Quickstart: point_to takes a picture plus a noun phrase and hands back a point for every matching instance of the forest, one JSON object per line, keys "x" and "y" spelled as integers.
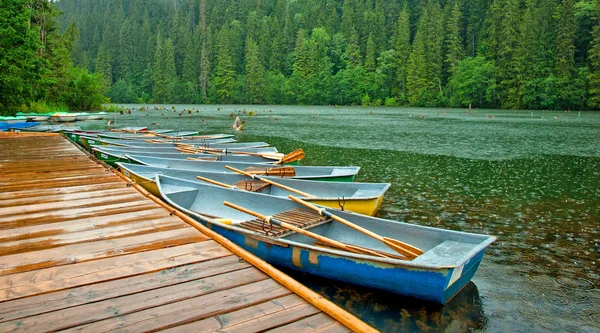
{"x": 514, "y": 54}
{"x": 37, "y": 72}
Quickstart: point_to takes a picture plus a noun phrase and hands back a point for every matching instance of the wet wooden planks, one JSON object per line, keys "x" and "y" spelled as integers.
{"x": 81, "y": 251}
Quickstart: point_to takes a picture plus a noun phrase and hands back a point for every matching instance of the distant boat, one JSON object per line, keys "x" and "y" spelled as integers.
{"x": 11, "y": 120}
{"x": 82, "y": 116}
{"x": 63, "y": 117}
{"x": 109, "y": 156}
{"x": 445, "y": 263}
{"x": 97, "y": 115}
{"x": 324, "y": 173}
{"x": 89, "y": 141}
{"x": 362, "y": 198}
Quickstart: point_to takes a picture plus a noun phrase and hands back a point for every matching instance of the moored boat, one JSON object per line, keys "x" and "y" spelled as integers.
{"x": 109, "y": 156}
{"x": 324, "y": 173}
{"x": 13, "y": 120}
{"x": 446, "y": 262}
{"x": 82, "y": 116}
{"x": 216, "y": 144}
{"x": 160, "y": 149}
{"x": 97, "y": 115}
{"x": 362, "y": 198}
{"x": 63, "y": 117}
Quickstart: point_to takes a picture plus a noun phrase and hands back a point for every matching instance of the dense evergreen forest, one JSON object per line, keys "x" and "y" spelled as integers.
{"x": 36, "y": 67}
{"x": 539, "y": 54}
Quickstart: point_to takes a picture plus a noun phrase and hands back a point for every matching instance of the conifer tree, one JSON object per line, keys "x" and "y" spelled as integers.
{"x": 594, "y": 56}
{"x": 255, "y": 73}
{"x": 401, "y": 43}
{"x": 454, "y": 47}
{"x": 224, "y": 67}
{"x": 370, "y": 64}
{"x": 565, "y": 41}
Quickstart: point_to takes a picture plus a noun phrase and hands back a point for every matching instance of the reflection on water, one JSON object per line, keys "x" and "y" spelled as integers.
{"x": 395, "y": 313}
{"x": 533, "y": 183}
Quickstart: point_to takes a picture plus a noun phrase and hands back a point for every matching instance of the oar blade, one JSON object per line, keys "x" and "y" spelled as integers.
{"x": 410, "y": 251}
{"x": 294, "y": 156}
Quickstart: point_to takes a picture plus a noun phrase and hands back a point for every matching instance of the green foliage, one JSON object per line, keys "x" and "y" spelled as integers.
{"x": 36, "y": 70}
{"x": 473, "y": 83}
{"x": 541, "y": 54}
{"x": 366, "y": 100}
{"x": 390, "y": 101}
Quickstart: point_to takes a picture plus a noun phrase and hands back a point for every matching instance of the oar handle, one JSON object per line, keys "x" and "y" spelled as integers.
{"x": 245, "y": 210}
{"x": 268, "y": 181}
{"x": 208, "y": 180}
{"x": 241, "y": 172}
{"x": 321, "y": 211}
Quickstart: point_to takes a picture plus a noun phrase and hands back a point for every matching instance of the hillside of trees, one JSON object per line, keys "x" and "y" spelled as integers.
{"x": 36, "y": 68}
{"x": 538, "y": 54}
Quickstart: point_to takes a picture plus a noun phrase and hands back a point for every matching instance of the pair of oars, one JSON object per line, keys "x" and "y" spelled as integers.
{"x": 407, "y": 250}
{"x": 294, "y": 156}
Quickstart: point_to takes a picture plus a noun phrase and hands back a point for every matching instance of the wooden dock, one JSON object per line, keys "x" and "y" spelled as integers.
{"x": 82, "y": 251}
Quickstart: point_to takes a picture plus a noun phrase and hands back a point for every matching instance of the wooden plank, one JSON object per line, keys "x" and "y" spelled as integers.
{"x": 66, "y": 197}
{"x": 50, "y": 279}
{"x": 20, "y": 177}
{"x": 71, "y": 254}
{"x": 334, "y": 327}
{"x": 58, "y": 205}
{"x": 190, "y": 310}
{"x": 308, "y": 324}
{"x": 92, "y": 179}
{"x": 36, "y": 305}
{"x": 45, "y": 230}
{"x": 49, "y": 172}
{"x": 75, "y": 213}
{"x": 138, "y": 302}
{"x": 259, "y": 317}
{"x": 53, "y": 177}
{"x": 110, "y": 232}
{"x": 35, "y": 192}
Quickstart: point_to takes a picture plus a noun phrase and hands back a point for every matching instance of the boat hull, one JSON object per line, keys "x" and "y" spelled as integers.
{"x": 63, "y": 119}
{"x": 420, "y": 283}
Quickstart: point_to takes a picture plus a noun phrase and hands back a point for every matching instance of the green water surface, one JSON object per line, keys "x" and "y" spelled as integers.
{"x": 530, "y": 178}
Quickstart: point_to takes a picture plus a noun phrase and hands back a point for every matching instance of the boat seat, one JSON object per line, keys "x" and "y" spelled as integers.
{"x": 252, "y": 185}
{"x": 298, "y": 217}
{"x": 366, "y": 193}
{"x": 447, "y": 253}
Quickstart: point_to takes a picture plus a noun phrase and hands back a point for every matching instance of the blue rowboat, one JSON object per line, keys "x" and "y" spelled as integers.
{"x": 363, "y": 198}
{"x": 449, "y": 261}
{"x": 324, "y": 173}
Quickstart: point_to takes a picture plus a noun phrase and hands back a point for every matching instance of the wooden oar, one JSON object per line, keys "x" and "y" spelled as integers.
{"x": 322, "y": 239}
{"x": 276, "y": 171}
{"x": 294, "y": 156}
{"x": 268, "y": 181}
{"x": 208, "y": 180}
{"x": 202, "y": 159}
{"x": 406, "y": 249}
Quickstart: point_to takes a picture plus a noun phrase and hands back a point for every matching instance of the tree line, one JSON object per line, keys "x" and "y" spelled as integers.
{"x": 36, "y": 68}
{"x": 538, "y": 54}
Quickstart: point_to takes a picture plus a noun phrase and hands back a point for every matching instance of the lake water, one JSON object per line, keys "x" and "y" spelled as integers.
{"x": 530, "y": 178}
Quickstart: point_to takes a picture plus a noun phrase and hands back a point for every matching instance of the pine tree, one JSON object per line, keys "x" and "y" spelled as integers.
{"x": 204, "y": 72}
{"x": 370, "y": 64}
{"x": 565, "y": 42}
{"x": 255, "y": 73}
{"x": 416, "y": 80}
{"x": 353, "y": 55}
{"x": 224, "y": 68}
{"x": 401, "y": 43}
{"x": 594, "y": 56}
{"x": 454, "y": 47}
{"x": 302, "y": 64}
